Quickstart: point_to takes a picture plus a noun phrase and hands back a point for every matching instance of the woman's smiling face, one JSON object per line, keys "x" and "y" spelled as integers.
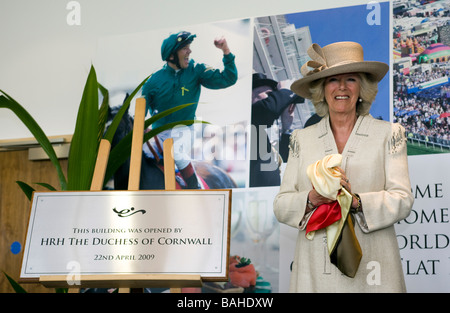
{"x": 342, "y": 92}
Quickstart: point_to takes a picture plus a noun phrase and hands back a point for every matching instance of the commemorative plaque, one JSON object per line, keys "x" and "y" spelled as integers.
{"x": 128, "y": 232}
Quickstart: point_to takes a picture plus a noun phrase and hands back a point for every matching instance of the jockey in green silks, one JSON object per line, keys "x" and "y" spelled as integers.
{"x": 179, "y": 82}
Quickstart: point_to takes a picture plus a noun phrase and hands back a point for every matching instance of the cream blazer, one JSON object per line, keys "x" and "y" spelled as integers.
{"x": 375, "y": 161}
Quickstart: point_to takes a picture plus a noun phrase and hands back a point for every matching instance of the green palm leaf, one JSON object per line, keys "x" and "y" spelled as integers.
{"x": 48, "y": 186}
{"x": 103, "y": 112}
{"x": 17, "y": 288}
{"x": 84, "y": 146}
{"x": 27, "y": 189}
{"x": 7, "y": 102}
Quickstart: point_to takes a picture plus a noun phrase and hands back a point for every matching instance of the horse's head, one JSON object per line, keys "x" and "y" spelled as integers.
{"x": 125, "y": 125}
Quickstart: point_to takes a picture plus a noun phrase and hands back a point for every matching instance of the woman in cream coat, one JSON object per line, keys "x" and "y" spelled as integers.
{"x": 374, "y": 170}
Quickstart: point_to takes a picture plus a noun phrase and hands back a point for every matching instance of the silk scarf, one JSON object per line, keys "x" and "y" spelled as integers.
{"x": 343, "y": 246}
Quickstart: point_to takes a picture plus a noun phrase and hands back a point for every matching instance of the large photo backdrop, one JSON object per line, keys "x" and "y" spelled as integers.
{"x": 245, "y": 141}
{"x": 249, "y": 141}
{"x": 275, "y": 46}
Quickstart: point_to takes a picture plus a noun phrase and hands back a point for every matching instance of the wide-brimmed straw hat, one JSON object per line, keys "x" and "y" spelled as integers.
{"x": 333, "y": 59}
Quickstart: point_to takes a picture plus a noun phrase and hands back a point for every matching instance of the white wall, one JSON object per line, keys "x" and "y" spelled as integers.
{"x": 44, "y": 62}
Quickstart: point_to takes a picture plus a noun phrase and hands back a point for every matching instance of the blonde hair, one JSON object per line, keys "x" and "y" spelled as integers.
{"x": 368, "y": 92}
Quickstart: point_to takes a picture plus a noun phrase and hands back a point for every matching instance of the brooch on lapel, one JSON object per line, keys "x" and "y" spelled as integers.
{"x": 397, "y": 140}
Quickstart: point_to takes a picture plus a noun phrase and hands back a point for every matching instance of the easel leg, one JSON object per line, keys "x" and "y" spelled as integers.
{"x": 136, "y": 153}
{"x": 169, "y": 177}
{"x": 136, "y": 145}
{"x": 98, "y": 177}
{"x": 169, "y": 165}
{"x": 100, "y": 165}
{"x": 169, "y": 182}
{"x": 175, "y": 290}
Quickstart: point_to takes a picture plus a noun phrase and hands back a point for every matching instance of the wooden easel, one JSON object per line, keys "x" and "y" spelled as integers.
{"x": 126, "y": 282}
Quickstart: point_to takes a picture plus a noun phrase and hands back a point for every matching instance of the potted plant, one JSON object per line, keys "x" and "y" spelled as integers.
{"x": 89, "y": 131}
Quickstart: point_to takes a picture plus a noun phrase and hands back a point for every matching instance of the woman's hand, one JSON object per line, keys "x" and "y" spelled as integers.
{"x": 316, "y": 199}
{"x": 346, "y": 184}
{"x": 344, "y": 180}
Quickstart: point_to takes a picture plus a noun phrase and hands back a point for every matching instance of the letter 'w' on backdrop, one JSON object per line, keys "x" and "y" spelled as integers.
{"x": 131, "y": 238}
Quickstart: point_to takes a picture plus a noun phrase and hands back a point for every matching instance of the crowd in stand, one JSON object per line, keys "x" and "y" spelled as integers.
{"x": 423, "y": 114}
{"x": 414, "y": 79}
